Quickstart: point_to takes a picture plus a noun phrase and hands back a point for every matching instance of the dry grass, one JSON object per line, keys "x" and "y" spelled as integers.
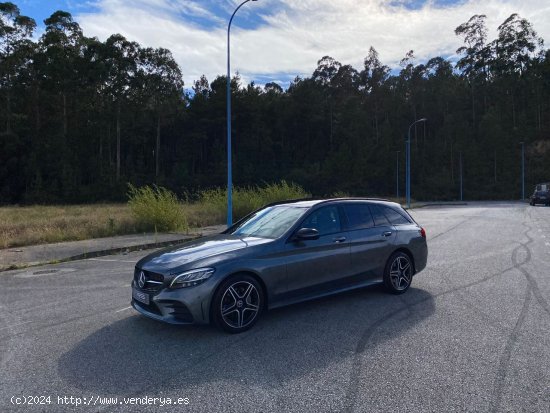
{"x": 203, "y": 215}
{"x": 45, "y": 224}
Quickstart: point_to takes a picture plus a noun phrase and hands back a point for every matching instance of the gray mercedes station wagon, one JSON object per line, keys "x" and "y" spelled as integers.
{"x": 281, "y": 254}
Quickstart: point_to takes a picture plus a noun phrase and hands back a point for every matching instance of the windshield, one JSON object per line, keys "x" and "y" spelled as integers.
{"x": 270, "y": 222}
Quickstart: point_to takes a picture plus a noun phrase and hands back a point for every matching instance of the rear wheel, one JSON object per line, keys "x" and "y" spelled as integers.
{"x": 398, "y": 273}
{"x": 238, "y": 303}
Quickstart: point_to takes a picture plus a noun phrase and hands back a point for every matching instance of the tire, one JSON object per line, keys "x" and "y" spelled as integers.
{"x": 238, "y": 303}
{"x": 398, "y": 273}
{"x": 532, "y": 203}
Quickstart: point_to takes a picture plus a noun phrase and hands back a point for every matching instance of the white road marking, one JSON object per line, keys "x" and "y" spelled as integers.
{"x": 123, "y": 309}
{"x": 16, "y": 325}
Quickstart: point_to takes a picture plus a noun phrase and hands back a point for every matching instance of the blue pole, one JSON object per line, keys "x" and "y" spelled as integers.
{"x": 522, "y": 171}
{"x": 397, "y": 175}
{"x": 229, "y": 166}
{"x": 461, "y": 176}
{"x": 229, "y": 176}
{"x": 408, "y": 166}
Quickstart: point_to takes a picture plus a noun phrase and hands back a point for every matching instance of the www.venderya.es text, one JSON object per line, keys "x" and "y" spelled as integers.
{"x": 94, "y": 400}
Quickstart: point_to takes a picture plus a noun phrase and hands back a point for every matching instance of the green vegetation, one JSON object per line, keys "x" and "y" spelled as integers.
{"x": 213, "y": 203}
{"x": 156, "y": 209}
{"x": 148, "y": 209}
{"x": 80, "y": 117}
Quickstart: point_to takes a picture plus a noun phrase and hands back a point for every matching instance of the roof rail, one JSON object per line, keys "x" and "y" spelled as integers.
{"x": 351, "y": 198}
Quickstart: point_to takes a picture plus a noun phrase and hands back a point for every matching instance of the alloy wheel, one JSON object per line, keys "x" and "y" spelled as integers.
{"x": 240, "y": 304}
{"x": 401, "y": 273}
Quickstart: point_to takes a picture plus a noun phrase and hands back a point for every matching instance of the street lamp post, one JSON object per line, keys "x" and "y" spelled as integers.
{"x": 397, "y": 173}
{"x": 408, "y": 166}
{"x": 229, "y": 172}
{"x": 522, "y": 170}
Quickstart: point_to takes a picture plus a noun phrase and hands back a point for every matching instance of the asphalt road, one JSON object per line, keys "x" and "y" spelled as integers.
{"x": 472, "y": 334}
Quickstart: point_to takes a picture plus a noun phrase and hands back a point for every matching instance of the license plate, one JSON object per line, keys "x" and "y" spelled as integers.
{"x": 139, "y": 296}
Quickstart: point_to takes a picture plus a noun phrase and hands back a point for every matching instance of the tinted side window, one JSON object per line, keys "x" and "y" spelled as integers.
{"x": 395, "y": 217}
{"x": 325, "y": 220}
{"x": 359, "y": 216}
{"x": 378, "y": 216}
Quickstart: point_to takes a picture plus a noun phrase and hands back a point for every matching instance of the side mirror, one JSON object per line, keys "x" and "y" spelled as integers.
{"x": 305, "y": 234}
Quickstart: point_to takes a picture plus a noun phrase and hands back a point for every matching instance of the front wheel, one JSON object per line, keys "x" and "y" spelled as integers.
{"x": 237, "y": 304}
{"x": 398, "y": 273}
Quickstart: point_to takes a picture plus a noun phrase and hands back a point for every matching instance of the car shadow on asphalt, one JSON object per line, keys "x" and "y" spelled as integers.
{"x": 137, "y": 355}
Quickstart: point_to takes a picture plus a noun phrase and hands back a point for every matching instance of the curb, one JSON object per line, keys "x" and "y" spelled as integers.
{"x": 103, "y": 253}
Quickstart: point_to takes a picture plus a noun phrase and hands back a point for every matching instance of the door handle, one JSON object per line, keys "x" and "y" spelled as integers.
{"x": 339, "y": 240}
{"x": 386, "y": 233}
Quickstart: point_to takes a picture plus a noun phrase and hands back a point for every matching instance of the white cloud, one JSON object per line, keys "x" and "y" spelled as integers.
{"x": 295, "y": 34}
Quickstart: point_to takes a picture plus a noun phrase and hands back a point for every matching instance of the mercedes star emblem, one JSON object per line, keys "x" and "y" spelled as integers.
{"x": 142, "y": 280}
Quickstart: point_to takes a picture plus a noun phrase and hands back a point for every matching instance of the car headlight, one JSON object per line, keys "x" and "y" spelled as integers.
{"x": 192, "y": 278}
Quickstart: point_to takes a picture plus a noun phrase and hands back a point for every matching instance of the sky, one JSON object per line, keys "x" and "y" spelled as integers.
{"x": 277, "y": 40}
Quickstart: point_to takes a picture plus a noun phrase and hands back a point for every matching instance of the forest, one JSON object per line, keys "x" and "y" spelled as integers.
{"x": 81, "y": 118}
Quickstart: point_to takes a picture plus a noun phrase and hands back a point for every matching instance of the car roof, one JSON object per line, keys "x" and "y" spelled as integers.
{"x": 310, "y": 202}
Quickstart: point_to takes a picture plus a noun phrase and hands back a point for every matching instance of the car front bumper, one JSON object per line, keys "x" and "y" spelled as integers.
{"x": 180, "y": 306}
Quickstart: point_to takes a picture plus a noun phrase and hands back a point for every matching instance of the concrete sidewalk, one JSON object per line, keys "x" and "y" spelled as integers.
{"x": 20, "y": 257}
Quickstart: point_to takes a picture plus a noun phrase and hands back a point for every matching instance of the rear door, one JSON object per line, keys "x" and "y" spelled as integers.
{"x": 371, "y": 240}
{"x": 314, "y": 266}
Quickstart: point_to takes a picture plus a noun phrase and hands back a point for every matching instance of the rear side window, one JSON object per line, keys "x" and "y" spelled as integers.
{"x": 395, "y": 217}
{"x": 378, "y": 216}
{"x": 359, "y": 216}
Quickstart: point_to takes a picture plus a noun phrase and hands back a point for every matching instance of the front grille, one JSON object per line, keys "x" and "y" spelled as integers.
{"x": 149, "y": 287}
{"x": 154, "y": 277}
{"x": 178, "y": 310}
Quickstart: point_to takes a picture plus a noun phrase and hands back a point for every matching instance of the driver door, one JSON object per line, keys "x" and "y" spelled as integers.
{"x": 313, "y": 266}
